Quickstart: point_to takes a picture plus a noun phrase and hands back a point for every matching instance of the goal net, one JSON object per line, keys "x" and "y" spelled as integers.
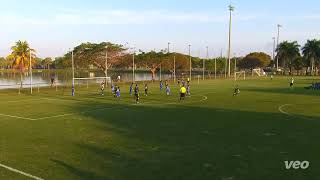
{"x": 258, "y": 72}
{"x": 240, "y": 75}
{"x": 91, "y": 85}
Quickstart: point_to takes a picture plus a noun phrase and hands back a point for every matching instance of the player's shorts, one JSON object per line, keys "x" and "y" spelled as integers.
{"x": 291, "y": 84}
{"x": 182, "y": 95}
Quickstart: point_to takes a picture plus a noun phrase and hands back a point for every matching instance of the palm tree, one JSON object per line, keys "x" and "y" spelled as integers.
{"x": 20, "y": 55}
{"x": 287, "y": 52}
{"x": 298, "y": 64}
{"x": 311, "y": 51}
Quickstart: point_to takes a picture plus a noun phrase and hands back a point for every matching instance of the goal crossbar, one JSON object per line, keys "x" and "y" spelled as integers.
{"x": 93, "y": 78}
{"x": 259, "y": 72}
{"x": 237, "y": 75}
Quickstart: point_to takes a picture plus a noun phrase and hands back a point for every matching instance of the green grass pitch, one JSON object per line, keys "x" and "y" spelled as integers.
{"x": 211, "y": 135}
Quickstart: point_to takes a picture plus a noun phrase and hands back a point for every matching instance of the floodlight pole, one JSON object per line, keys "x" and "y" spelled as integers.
{"x": 30, "y": 67}
{"x": 190, "y": 76}
{"x": 278, "y": 38}
{"x": 72, "y": 61}
{"x": 231, "y": 8}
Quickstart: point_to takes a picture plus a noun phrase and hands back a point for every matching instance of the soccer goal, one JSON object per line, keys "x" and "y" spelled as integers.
{"x": 91, "y": 82}
{"x": 258, "y": 72}
{"x": 240, "y": 75}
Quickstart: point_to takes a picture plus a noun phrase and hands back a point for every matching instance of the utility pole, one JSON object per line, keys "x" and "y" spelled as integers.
{"x": 72, "y": 61}
{"x": 30, "y": 67}
{"x": 279, "y": 26}
{"x": 204, "y": 63}
{"x": 235, "y": 66}
{"x": 215, "y": 68}
{"x": 174, "y": 67}
{"x": 106, "y": 64}
{"x": 160, "y": 72}
{"x": 174, "y": 63}
{"x": 133, "y": 65}
{"x": 274, "y": 49}
{"x": 231, "y": 9}
{"x": 190, "y": 76}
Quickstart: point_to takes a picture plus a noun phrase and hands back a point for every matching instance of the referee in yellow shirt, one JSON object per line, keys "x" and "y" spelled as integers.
{"x": 183, "y": 92}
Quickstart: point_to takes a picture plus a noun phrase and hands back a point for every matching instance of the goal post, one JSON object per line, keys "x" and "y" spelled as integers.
{"x": 240, "y": 75}
{"x": 90, "y": 82}
{"x": 258, "y": 72}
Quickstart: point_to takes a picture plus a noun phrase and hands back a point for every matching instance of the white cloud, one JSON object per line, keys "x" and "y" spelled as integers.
{"x": 114, "y": 17}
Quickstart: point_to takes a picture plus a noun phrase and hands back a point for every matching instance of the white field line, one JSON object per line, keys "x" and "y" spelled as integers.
{"x": 204, "y": 98}
{"x": 17, "y": 117}
{"x": 70, "y": 114}
{"x": 283, "y": 111}
{"x": 20, "y": 172}
{"x": 25, "y": 100}
{"x": 49, "y": 117}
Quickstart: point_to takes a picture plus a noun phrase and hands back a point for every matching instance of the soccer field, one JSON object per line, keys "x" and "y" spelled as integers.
{"x": 211, "y": 135}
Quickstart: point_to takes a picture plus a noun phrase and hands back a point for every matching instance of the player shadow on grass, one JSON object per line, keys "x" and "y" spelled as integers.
{"x": 81, "y": 174}
{"x": 199, "y": 142}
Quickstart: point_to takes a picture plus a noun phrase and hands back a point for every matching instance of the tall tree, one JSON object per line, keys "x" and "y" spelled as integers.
{"x": 94, "y": 54}
{"x": 182, "y": 62}
{"x": 151, "y": 61}
{"x": 255, "y": 60}
{"x": 311, "y": 51}
{"x": 287, "y": 52}
{"x": 3, "y": 63}
{"x": 298, "y": 64}
{"x": 20, "y": 56}
{"x": 47, "y": 62}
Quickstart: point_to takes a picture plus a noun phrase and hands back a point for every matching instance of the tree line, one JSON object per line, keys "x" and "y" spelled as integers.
{"x": 290, "y": 56}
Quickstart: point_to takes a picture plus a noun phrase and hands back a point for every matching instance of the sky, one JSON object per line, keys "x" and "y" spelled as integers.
{"x": 52, "y": 27}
